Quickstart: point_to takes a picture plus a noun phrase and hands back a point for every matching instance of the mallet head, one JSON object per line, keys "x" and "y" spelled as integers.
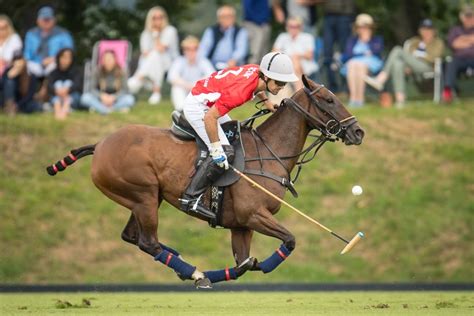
{"x": 352, "y": 243}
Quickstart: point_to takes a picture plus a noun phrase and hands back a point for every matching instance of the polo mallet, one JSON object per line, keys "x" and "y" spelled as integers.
{"x": 349, "y": 244}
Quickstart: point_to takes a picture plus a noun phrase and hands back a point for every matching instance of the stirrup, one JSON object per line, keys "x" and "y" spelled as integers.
{"x": 188, "y": 205}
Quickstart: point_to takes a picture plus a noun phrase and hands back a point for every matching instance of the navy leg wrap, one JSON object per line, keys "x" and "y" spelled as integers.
{"x": 270, "y": 264}
{"x": 221, "y": 275}
{"x": 179, "y": 266}
{"x": 169, "y": 249}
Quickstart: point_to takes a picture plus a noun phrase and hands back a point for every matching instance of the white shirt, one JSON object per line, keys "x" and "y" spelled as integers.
{"x": 182, "y": 69}
{"x": 9, "y": 47}
{"x": 168, "y": 37}
{"x": 301, "y": 44}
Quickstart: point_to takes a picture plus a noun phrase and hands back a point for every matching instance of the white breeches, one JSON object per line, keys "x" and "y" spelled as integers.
{"x": 194, "y": 111}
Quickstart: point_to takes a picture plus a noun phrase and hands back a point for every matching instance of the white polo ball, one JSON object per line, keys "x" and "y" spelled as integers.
{"x": 357, "y": 190}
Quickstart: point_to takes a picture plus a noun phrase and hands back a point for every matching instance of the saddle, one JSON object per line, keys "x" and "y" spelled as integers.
{"x": 184, "y": 131}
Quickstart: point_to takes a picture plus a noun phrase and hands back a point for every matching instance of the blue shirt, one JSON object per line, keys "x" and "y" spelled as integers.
{"x": 256, "y": 11}
{"x": 58, "y": 39}
{"x": 225, "y": 49}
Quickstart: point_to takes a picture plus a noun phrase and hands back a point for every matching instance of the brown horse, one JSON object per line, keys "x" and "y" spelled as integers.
{"x": 139, "y": 166}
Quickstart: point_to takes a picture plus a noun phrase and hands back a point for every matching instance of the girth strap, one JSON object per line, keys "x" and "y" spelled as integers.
{"x": 283, "y": 181}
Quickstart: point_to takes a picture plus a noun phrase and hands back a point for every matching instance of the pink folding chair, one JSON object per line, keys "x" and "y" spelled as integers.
{"x": 122, "y": 50}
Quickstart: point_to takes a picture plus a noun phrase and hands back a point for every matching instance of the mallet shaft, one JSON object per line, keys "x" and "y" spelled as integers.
{"x": 287, "y": 204}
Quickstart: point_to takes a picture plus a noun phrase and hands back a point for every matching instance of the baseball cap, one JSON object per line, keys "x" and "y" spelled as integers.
{"x": 364, "y": 19}
{"x": 467, "y": 9}
{"x": 46, "y": 13}
{"x": 426, "y": 23}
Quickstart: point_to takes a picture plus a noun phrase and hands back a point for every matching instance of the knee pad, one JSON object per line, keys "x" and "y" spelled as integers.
{"x": 230, "y": 153}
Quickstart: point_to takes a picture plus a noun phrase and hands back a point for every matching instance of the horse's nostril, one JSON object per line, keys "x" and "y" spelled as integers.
{"x": 359, "y": 132}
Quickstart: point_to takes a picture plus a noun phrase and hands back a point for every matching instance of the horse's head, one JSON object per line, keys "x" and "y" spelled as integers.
{"x": 323, "y": 111}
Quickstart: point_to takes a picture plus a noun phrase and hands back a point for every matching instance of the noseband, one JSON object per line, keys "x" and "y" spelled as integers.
{"x": 333, "y": 128}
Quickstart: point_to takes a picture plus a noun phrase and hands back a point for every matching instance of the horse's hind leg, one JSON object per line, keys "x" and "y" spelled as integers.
{"x": 130, "y": 232}
{"x": 264, "y": 222}
{"x": 147, "y": 219}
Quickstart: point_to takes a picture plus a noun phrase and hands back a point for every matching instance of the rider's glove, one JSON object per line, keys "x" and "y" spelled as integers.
{"x": 218, "y": 155}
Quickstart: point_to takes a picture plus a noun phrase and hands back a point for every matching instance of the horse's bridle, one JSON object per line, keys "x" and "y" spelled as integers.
{"x": 333, "y": 128}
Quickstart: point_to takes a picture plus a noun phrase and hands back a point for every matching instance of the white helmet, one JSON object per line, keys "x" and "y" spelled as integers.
{"x": 278, "y": 66}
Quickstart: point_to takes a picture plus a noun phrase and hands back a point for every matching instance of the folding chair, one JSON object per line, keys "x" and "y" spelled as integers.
{"x": 123, "y": 53}
{"x": 436, "y": 74}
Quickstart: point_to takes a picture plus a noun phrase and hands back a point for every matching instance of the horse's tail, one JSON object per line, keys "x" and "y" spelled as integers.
{"x": 74, "y": 155}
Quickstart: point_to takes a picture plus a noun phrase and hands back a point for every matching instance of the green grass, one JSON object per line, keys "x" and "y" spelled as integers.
{"x": 416, "y": 168}
{"x": 241, "y": 303}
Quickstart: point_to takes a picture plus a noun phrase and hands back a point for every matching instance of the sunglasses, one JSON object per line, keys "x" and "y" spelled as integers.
{"x": 280, "y": 83}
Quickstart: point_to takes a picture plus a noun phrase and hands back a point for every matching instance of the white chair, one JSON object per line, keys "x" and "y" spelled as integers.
{"x": 436, "y": 74}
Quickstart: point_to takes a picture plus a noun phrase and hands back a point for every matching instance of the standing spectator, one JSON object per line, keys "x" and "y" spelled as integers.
{"x": 418, "y": 57}
{"x": 10, "y": 42}
{"x": 19, "y": 87}
{"x": 361, "y": 57}
{"x": 338, "y": 18}
{"x": 226, "y": 43}
{"x": 110, "y": 85}
{"x": 43, "y": 43}
{"x": 186, "y": 70}
{"x": 257, "y": 15}
{"x": 158, "y": 47}
{"x": 304, "y": 9}
{"x": 299, "y": 46}
{"x": 461, "y": 42}
{"x": 64, "y": 84}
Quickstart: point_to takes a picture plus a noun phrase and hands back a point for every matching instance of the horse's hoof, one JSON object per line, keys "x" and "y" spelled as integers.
{"x": 204, "y": 283}
{"x": 246, "y": 265}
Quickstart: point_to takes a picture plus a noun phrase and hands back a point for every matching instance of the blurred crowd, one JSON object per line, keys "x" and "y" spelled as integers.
{"x": 39, "y": 72}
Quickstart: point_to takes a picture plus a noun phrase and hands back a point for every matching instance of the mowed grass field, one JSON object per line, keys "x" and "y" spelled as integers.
{"x": 241, "y": 303}
{"x": 417, "y": 210}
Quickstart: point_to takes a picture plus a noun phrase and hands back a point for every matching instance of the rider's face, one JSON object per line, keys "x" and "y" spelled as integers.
{"x": 275, "y": 86}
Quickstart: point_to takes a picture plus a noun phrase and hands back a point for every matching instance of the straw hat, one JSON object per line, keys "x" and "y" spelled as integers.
{"x": 364, "y": 19}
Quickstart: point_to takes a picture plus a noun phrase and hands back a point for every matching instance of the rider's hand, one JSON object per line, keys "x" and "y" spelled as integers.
{"x": 271, "y": 106}
{"x": 218, "y": 155}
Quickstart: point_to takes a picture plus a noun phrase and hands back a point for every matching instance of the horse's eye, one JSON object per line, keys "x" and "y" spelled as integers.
{"x": 330, "y": 100}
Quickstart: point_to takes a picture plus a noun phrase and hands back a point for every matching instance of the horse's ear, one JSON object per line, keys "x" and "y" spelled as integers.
{"x": 305, "y": 81}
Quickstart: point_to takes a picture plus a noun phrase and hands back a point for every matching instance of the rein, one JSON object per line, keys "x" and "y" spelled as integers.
{"x": 332, "y": 131}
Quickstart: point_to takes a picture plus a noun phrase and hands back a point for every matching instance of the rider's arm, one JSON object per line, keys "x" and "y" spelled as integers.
{"x": 210, "y": 123}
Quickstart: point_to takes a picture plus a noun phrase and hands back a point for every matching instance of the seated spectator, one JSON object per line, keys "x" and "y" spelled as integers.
{"x": 226, "y": 43}
{"x": 158, "y": 47}
{"x": 461, "y": 42}
{"x": 43, "y": 43}
{"x": 361, "y": 57}
{"x": 186, "y": 70}
{"x": 110, "y": 88}
{"x": 64, "y": 84}
{"x": 418, "y": 57}
{"x": 299, "y": 46}
{"x": 19, "y": 87}
{"x": 10, "y": 42}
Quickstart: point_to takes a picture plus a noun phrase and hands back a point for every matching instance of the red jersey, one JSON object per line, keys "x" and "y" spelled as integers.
{"x": 228, "y": 88}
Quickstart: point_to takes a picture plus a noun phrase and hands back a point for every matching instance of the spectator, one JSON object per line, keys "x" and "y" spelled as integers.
{"x": 19, "y": 87}
{"x": 186, "y": 71}
{"x": 418, "y": 57}
{"x": 361, "y": 57}
{"x": 257, "y": 15}
{"x": 10, "y": 42}
{"x": 338, "y": 18}
{"x": 109, "y": 84}
{"x": 64, "y": 84}
{"x": 226, "y": 43}
{"x": 304, "y": 9}
{"x": 299, "y": 46}
{"x": 461, "y": 42}
{"x": 43, "y": 43}
{"x": 158, "y": 47}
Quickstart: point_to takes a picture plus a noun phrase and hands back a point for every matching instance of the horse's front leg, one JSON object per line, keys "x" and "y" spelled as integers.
{"x": 241, "y": 239}
{"x": 265, "y": 223}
